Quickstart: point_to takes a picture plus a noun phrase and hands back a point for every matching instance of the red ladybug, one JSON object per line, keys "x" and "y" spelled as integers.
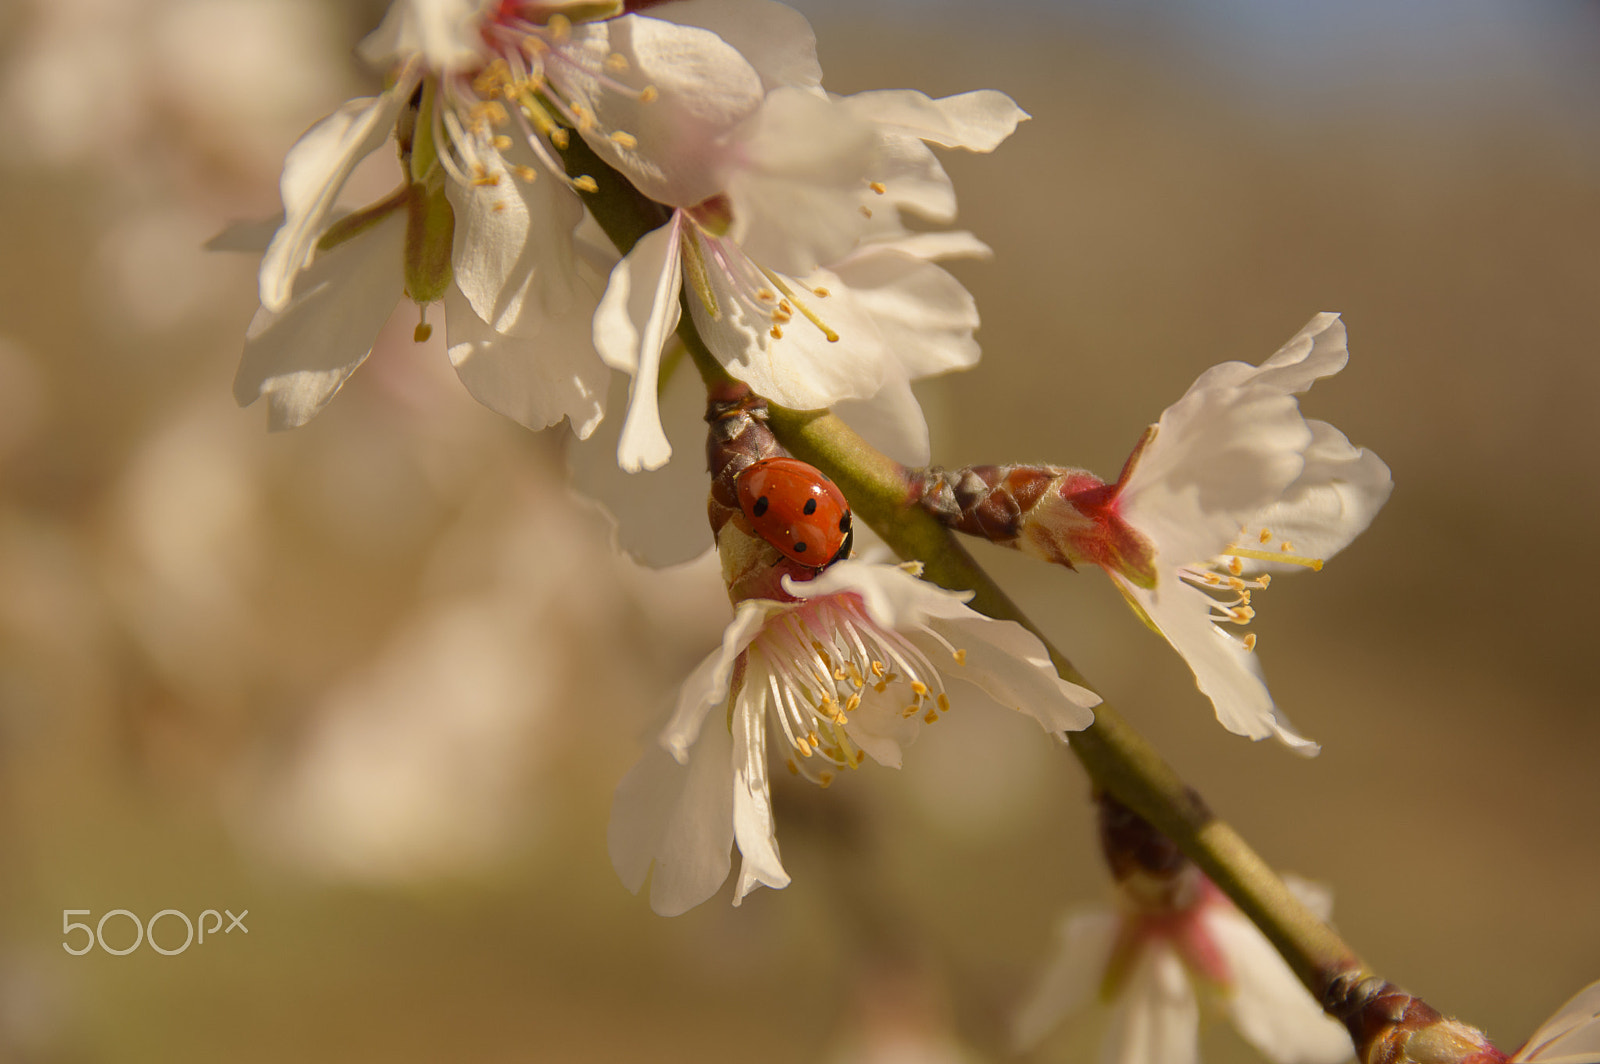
{"x": 795, "y": 508}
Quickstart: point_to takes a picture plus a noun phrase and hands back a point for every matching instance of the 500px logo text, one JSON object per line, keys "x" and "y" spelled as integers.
{"x": 146, "y": 932}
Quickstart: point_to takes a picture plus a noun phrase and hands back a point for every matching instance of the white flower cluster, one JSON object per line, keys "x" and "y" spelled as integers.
{"x": 782, "y": 209}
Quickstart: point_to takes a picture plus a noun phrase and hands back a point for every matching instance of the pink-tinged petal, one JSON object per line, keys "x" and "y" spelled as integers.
{"x": 1571, "y": 1036}
{"x": 445, "y": 33}
{"x": 1224, "y": 670}
{"x": 977, "y": 121}
{"x": 1334, "y": 499}
{"x": 797, "y": 199}
{"x": 708, "y": 686}
{"x": 545, "y": 372}
{"x": 1157, "y": 1018}
{"x": 314, "y": 171}
{"x": 776, "y": 40}
{"x": 298, "y": 358}
{"x": 1072, "y": 977}
{"x": 677, "y": 148}
{"x": 1268, "y": 1005}
{"x": 635, "y": 316}
{"x": 753, "y": 827}
{"x": 513, "y": 255}
{"x": 678, "y": 821}
{"x": 1009, "y": 664}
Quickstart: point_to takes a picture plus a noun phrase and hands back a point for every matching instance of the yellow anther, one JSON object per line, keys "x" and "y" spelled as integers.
{"x": 766, "y": 295}
{"x": 560, "y": 27}
{"x": 919, "y": 689}
{"x": 878, "y": 669}
{"x": 811, "y": 737}
{"x": 794, "y": 769}
{"x": 1250, "y": 641}
{"x": 1211, "y": 578}
{"x": 852, "y": 703}
{"x": 624, "y": 140}
{"x": 930, "y": 716}
{"x": 775, "y": 332}
{"x": 527, "y": 173}
{"x": 821, "y": 292}
{"x": 855, "y": 674}
{"x": 421, "y": 333}
{"x": 502, "y": 142}
{"x": 877, "y": 186}
{"x": 861, "y": 755}
{"x": 1286, "y": 547}
{"x": 1235, "y": 566}
{"x": 1236, "y": 584}
{"x": 560, "y": 138}
{"x": 960, "y": 656}
{"x": 491, "y": 111}
{"x": 944, "y": 702}
{"x": 616, "y": 62}
{"x": 584, "y": 116}
{"x": 803, "y": 746}
{"x": 648, "y": 94}
{"x": 585, "y": 183}
{"x": 1266, "y": 534}
{"x": 484, "y": 179}
{"x": 1264, "y": 579}
{"x": 910, "y": 711}
{"x": 881, "y": 686}
{"x": 824, "y": 778}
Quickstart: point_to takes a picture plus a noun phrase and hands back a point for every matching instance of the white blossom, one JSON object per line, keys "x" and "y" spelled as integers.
{"x": 853, "y": 667}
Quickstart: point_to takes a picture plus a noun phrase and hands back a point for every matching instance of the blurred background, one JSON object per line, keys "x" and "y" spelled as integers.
{"x": 374, "y": 680}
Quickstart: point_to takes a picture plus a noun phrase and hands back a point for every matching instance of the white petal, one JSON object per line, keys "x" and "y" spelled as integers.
{"x": 893, "y": 597}
{"x": 1334, "y": 499}
{"x": 1072, "y": 978}
{"x": 936, "y": 246}
{"x": 977, "y": 121}
{"x": 679, "y": 146}
{"x": 1157, "y": 1018}
{"x": 1230, "y": 447}
{"x": 545, "y": 372}
{"x": 1009, "y": 664}
{"x": 314, "y": 171}
{"x": 773, "y": 38}
{"x": 797, "y": 200}
{"x": 677, "y": 819}
{"x": 890, "y": 421}
{"x": 753, "y": 828}
{"x": 636, "y": 315}
{"x": 707, "y": 686}
{"x": 513, "y": 253}
{"x": 298, "y": 358}
{"x": 444, "y": 32}
{"x": 1267, "y": 1003}
{"x": 802, "y": 369}
{"x": 1571, "y": 1036}
{"x": 1224, "y": 670}
{"x": 926, "y": 316}
{"x": 659, "y": 515}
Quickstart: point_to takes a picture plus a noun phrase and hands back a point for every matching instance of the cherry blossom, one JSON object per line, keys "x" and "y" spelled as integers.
{"x": 852, "y": 666}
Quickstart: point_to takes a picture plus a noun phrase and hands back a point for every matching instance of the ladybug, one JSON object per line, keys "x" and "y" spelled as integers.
{"x": 798, "y": 510}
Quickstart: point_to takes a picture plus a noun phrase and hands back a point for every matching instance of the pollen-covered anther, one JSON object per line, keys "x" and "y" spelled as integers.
{"x": 1249, "y": 641}
{"x": 491, "y": 111}
{"x": 624, "y": 140}
{"x": 1266, "y": 535}
{"x": 502, "y": 142}
{"x": 526, "y": 173}
{"x": 585, "y": 183}
{"x": 944, "y": 700}
{"x": 775, "y": 332}
{"x": 878, "y": 670}
{"x": 930, "y": 716}
{"x": 919, "y": 689}
{"x": 852, "y": 703}
{"x": 824, "y": 778}
{"x": 960, "y": 655}
{"x": 1235, "y": 565}
{"x": 766, "y": 295}
{"x": 877, "y": 186}
{"x": 616, "y": 62}
{"x": 560, "y": 138}
{"x": 821, "y": 292}
{"x": 560, "y": 27}
{"x": 649, "y": 94}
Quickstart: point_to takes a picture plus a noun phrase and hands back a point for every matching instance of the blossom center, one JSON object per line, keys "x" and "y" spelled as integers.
{"x": 1228, "y": 590}
{"x": 764, "y": 295}
{"x": 826, "y": 660}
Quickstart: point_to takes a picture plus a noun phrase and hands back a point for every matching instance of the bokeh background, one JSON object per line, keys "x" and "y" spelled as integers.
{"x": 375, "y": 679}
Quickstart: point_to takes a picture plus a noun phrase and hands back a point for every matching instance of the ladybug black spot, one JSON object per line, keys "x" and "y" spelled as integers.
{"x": 760, "y": 507}
{"x": 844, "y": 523}
{"x": 799, "y": 548}
{"x": 809, "y": 508}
